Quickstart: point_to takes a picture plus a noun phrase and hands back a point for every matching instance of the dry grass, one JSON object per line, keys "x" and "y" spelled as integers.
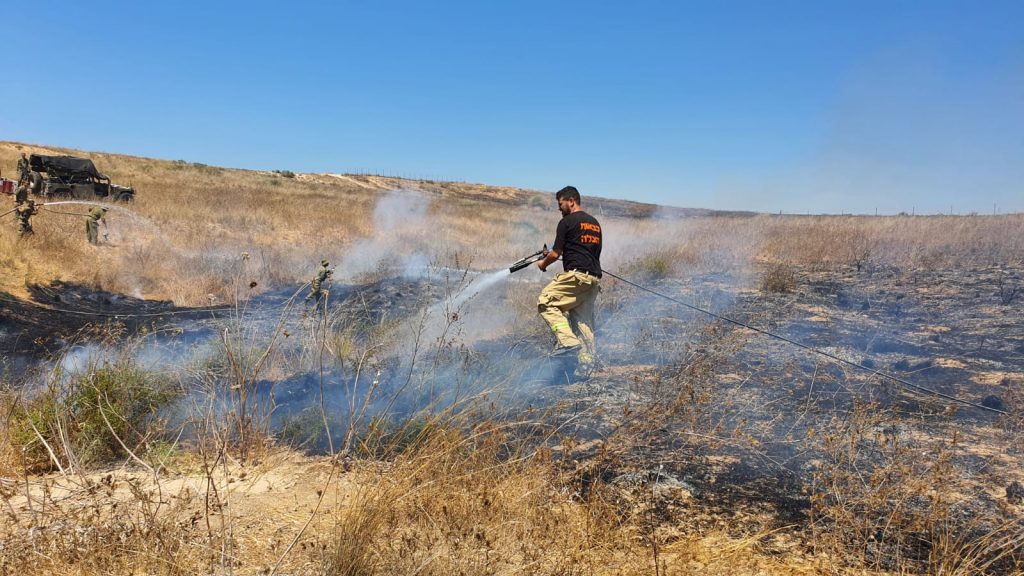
{"x": 448, "y": 502}
{"x": 818, "y": 242}
{"x": 194, "y": 221}
{"x": 879, "y": 503}
{"x": 472, "y": 493}
{"x": 901, "y": 241}
{"x": 472, "y": 503}
{"x": 452, "y": 504}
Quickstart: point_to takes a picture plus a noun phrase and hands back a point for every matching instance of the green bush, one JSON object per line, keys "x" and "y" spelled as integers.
{"x": 304, "y": 430}
{"x": 384, "y": 439}
{"x": 79, "y": 418}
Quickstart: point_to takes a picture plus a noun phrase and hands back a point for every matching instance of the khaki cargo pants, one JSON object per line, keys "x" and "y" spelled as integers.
{"x": 567, "y": 305}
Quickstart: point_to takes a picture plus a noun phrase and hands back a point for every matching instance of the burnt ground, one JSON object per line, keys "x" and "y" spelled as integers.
{"x": 723, "y": 426}
{"x": 737, "y": 424}
{"x": 60, "y": 313}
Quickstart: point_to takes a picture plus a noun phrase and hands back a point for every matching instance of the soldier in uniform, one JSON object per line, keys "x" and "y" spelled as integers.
{"x": 317, "y": 292}
{"x": 24, "y": 212}
{"x": 23, "y": 167}
{"x": 92, "y": 223}
{"x": 21, "y": 192}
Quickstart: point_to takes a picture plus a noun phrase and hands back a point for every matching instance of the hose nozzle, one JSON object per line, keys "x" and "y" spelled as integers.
{"x": 523, "y": 263}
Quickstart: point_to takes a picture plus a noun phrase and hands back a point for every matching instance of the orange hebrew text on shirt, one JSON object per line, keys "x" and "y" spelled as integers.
{"x": 590, "y": 239}
{"x": 590, "y": 227}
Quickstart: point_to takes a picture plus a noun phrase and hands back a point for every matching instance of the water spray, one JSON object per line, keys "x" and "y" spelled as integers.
{"x": 87, "y": 202}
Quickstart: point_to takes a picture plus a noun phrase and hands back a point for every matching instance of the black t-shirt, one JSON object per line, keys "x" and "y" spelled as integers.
{"x": 578, "y": 240}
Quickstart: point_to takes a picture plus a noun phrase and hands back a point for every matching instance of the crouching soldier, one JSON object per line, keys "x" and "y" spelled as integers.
{"x": 317, "y": 290}
{"x": 24, "y": 213}
{"x": 92, "y": 224}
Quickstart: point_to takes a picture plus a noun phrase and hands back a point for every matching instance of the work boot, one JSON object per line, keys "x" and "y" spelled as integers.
{"x": 565, "y": 350}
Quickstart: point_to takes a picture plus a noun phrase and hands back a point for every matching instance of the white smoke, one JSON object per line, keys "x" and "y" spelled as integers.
{"x": 401, "y": 229}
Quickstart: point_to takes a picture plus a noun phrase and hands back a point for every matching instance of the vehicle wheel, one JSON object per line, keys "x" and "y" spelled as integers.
{"x": 126, "y": 197}
{"x": 51, "y": 190}
{"x": 35, "y": 183}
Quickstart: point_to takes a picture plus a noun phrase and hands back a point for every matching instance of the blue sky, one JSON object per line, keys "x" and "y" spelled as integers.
{"x": 794, "y": 106}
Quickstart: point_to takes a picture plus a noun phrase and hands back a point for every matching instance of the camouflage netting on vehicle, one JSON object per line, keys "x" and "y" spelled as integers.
{"x": 40, "y": 163}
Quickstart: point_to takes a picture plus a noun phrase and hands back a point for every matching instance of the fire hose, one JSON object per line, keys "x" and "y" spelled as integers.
{"x": 40, "y": 205}
{"x": 874, "y": 372}
{"x": 65, "y": 213}
{"x": 105, "y": 314}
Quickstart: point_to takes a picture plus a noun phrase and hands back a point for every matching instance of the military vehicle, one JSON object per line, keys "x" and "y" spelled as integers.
{"x": 68, "y": 176}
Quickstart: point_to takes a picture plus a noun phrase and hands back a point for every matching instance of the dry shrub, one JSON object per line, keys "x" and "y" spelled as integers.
{"x": 98, "y": 534}
{"x": 651, "y": 267}
{"x": 779, "y": 279}
{"x": 657, "y": 264}
{"x": 885, "y": 498}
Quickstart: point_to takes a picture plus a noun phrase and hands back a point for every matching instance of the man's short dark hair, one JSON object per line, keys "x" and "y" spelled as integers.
{"x": 568, "y": 193}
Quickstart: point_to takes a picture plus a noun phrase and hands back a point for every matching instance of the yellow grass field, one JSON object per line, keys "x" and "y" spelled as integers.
{"x": 196, "y": 220}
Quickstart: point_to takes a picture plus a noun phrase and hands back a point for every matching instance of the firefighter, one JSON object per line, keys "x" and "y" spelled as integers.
{"x": 92, "y": 223}
{"x": 567, "y": 302}
{"x": 317, "y": 290}
{"x": 24, "y": 213}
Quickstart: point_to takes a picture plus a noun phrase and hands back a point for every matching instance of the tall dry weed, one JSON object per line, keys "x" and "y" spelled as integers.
{"x": 890, "y": 499}
{"x": 469, "y": 503}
